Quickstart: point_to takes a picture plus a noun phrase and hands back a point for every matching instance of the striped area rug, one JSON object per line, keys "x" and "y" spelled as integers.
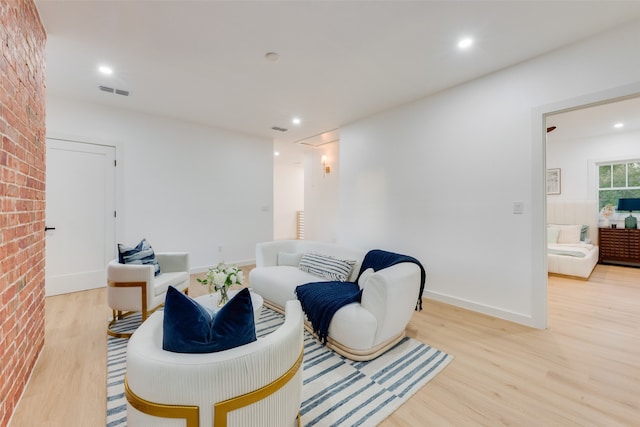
{"x": 336, "y": 391}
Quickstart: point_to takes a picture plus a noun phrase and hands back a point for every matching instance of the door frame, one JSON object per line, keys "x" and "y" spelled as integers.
{"x": 119, "y": 181}
{"x": 539, "y": 196}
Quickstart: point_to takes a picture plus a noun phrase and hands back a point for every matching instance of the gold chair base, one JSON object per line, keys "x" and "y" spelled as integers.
{"x": 119, "y": 315}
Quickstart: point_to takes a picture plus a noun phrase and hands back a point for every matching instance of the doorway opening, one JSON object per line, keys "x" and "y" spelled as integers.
{"x": 560, "y": 118}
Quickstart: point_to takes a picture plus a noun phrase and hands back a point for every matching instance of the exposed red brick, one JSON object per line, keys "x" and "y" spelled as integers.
{"x": 22, "y": 206}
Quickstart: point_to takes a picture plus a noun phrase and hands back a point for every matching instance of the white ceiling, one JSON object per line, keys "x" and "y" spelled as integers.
{"x": 204, "y": 61}
{"x": 596, "y": 120}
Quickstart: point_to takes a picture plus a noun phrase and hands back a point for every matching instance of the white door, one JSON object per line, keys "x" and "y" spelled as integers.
{"x": 80, "y": 215}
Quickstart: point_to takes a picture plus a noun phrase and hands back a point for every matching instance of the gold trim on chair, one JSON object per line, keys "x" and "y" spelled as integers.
{"x": 220, "y": 409}
{"x": 118, "y": 315}
{"x": 189, "y": 413}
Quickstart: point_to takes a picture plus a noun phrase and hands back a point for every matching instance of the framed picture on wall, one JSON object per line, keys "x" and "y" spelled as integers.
{"x": 553, "y": 181}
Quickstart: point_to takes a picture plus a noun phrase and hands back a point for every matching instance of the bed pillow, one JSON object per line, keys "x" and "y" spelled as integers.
{"x": 568, "y": 233}
{"x": 326, "y": 266}
{"x": 552, "y": 234}
{"x": 291, "y": 259}
{"x": 142, "y": 254}
{"x": 188, "y": 327}
{"x": 583, "y": 232}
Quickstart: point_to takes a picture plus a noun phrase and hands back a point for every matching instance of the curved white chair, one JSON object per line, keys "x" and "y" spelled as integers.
{"x": 134, "y": 288}
{"x": 257, "y": 384}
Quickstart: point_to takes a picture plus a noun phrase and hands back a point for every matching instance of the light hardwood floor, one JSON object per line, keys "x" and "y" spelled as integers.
{"x": 583, "y": 370}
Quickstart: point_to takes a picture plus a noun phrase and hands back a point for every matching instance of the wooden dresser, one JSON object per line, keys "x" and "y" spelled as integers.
{"x": 619, "y": 246}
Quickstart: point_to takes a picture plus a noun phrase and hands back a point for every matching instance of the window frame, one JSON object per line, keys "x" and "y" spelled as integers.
{"x": 633, "y": 190}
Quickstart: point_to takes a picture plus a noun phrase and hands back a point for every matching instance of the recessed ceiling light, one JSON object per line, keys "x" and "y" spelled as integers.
{"x": 105, "y": 70}
{"x": 618, "y": 125}
{"x": 296, "y": 120}
{"x": 276, "y": 153}
{"x": 465, "y": 43}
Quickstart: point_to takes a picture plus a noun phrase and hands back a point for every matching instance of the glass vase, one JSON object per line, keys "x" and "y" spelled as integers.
{"x": 224, "y": 296}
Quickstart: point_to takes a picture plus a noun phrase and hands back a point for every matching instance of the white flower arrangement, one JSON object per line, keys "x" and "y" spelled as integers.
{"x": 221, "y": 277}
{"x": 608, "y": 210}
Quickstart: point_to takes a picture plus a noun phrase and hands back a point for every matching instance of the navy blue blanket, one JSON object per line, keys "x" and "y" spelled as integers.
{"x": 379, "y": 259}
{"x": 321, "y": 300}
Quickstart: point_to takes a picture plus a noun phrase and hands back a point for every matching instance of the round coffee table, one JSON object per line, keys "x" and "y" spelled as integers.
{"x": 210, "y": 301}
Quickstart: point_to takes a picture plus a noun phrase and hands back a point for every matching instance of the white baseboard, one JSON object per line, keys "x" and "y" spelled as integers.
{"x": 204, "y": 269}
{"x": 511, "y": 316}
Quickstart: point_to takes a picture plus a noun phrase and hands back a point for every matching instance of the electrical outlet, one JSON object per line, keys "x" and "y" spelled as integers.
{"x": 518, "y": 207}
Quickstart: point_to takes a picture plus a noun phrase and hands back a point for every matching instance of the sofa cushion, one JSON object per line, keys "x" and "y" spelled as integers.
{"x": 326, "y": 266}
{"x": 176, "y": 279}
{"x": 277, "y": 284}
{"x": 142, "y": 253}
{"x": 190, "y": 328}
{"x": 291, "y": 259}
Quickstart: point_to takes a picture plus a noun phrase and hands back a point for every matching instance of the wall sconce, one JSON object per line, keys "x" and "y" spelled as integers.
{"x": 325, "y": 167}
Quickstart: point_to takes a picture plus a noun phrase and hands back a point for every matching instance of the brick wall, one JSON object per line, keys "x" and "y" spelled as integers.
{"x": 22, "y": 197}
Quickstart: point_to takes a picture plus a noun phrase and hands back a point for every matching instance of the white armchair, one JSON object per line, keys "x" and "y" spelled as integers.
{"x": 134, "y": 288}
{"x": 257, "y": 384}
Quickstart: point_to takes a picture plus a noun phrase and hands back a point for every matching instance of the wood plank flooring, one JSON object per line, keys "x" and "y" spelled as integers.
{"x": 583, "y": 370}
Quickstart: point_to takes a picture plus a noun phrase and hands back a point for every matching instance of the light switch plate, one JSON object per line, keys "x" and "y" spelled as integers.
{"x": 518, "y": 207}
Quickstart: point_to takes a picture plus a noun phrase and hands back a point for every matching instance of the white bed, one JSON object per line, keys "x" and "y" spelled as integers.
{"x": 570, "y": 256}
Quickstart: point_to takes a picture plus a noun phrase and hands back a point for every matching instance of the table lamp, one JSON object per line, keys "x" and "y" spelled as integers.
{"x": 629, "y": 205}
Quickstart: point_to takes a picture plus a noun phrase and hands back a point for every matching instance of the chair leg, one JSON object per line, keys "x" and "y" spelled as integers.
{"x": 119, "y": 315}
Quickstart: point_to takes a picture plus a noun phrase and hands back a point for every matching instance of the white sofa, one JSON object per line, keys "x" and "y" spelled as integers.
{"x": 257, "y": 384}
{"x": 359, "y": 331}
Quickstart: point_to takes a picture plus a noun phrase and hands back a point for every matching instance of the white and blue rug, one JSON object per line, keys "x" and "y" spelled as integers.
{"x": 336, "y": 391}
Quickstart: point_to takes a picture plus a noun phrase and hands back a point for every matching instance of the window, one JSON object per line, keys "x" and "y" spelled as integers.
{"x": 618, "y": 180}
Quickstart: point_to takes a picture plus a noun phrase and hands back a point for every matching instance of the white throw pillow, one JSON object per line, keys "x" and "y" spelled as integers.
{"x": 362, "y": 280}
{"x": 568, "y": 233}
{"x": 291, "y": 259}
{"x": 552, "y": 234}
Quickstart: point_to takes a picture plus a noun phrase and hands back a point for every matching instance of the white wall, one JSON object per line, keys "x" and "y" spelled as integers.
{"x": 578, "y": 158}
{"x": 437, "y": 179}
{"x": 321, "y": 193}
{"x": 288, "y": 198}
{"x": 181, "y": 185}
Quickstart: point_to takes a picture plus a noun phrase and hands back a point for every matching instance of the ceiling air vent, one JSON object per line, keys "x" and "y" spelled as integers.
{"x": 112, "y": 90}
{"x": 279, "y": 129}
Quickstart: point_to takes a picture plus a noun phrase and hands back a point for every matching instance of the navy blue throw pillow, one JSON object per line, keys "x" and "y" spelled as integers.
{"x": 189, "y": 328}
{"x": 141, "y": 254}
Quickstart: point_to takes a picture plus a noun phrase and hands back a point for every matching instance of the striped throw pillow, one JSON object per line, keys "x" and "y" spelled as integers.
{"x": 326, "y": 266}
{"x": 141, "y": 254}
